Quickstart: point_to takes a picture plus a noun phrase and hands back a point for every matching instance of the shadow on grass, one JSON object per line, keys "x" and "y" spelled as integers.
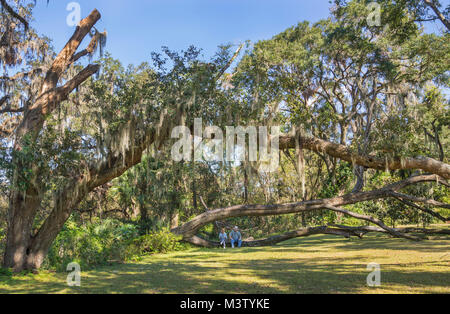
{"x": 284, "y": 276}
{"x": 214, "y": 271}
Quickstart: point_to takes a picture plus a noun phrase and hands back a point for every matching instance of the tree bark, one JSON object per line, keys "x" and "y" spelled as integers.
{"x": 342, "y": 152}
{"x": 343, "y": 231}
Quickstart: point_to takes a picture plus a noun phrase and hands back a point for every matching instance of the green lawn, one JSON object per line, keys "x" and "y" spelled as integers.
{"x": 320, "y": 264}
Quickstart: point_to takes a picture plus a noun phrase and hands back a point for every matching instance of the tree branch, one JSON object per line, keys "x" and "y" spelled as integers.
{"x": 77, "y": 80}
{"x": 404, "y": 199}
{"x": 89, "y": 50}
{"x": 4, "y": 99}
{"x": 14, "y": 14}
{"x": 63, "y": 60}
{"x": 373, "y": 220}
{"x": 51, "y": 95}
{"x": 336, "y": 230}
{"x": 438, "y": 13}
{"x": 21, "y": 75}
{"x": 230, "y": 62}
{"x": 190, "y": 228}
{"x": 11, "y": 110}
{"x": 345, "y": 153}
{"x": 367, "y": 229}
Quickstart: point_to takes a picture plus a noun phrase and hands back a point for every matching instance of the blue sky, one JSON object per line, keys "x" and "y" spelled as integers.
{"x": 138, "y": 27}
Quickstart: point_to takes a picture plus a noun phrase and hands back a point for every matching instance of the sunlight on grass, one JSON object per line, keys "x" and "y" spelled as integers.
{"x": 319, "y": 264}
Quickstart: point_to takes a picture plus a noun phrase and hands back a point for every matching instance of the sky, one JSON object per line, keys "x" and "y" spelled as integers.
{"x": 138, "y": 27}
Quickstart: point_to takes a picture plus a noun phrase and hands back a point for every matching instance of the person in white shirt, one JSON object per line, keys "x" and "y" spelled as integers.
{"x": 223, "y": 238}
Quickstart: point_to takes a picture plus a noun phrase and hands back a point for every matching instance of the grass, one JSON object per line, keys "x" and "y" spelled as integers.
{"x": 320, "y": 264}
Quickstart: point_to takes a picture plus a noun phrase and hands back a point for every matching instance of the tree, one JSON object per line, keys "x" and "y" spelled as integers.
{"x": 114, "y": 121}
{"x": 23, "y": 249}
{"x": 342, "y": 81}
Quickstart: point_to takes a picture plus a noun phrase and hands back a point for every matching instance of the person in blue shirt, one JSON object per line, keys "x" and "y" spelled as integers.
{"x": 235, "y": 237}
{"x": 223, "y": 238}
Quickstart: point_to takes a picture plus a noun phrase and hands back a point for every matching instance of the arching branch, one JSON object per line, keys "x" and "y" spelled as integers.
{"x": 191, "y": 228}
{"x": 367, "y": 229}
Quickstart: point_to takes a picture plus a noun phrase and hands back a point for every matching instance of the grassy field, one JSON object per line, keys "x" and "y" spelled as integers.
{"x": 320, "y": 264}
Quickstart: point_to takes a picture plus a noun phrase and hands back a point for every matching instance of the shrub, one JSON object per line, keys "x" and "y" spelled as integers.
{"x": 100, "y": 243}
{"x": 156, "y": 242}
{"x": 2, "y": 242}
{"x": 90, "y": 245}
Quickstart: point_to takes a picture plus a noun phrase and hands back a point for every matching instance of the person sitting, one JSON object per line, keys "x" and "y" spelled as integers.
{"x": 223, "y": 238}
{"x": 235, "y": 237}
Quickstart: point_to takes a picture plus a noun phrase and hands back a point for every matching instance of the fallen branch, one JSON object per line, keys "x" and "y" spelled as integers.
{"x": 305, "y": 232}
{"x": 337, "y": 230}
{"x": 367, "y": 229}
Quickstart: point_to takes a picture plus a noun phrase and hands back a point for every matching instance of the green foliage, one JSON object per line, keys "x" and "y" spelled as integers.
{"x": 104, "y": 242}
{"x": 6, "y": 272}
{"x": 338, "y": 182}
{"x": 90, "y": 245}
{"x": 339, "y": 80}
{"x": 162, "y": 241}
{"x": 2, "y": 241}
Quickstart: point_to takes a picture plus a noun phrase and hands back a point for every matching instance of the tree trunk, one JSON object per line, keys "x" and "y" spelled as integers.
{"x": 174, "y": 221}
{"x": 21, "y": 215}
{"x": 22, "y": 250}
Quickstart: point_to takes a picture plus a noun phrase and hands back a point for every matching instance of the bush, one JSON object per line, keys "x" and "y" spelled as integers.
{"x": 90, "y": 245}
{"x": 2, "y": 242}
{"x": 101, "y": 243}
{"x": 155, "y": 242}
{"x": 6, "y": 272}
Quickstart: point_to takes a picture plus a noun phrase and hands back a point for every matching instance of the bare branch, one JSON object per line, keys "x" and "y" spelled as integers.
{"x": 373, "y": 220}
{"x": 63, "y": 60}
{"x": 438, "y": 13}
{"x": 76, "y": 81}
{"x": 89, "y": 50}
{"x": 230, "y": 62}
{"x": 404, "y": 199}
